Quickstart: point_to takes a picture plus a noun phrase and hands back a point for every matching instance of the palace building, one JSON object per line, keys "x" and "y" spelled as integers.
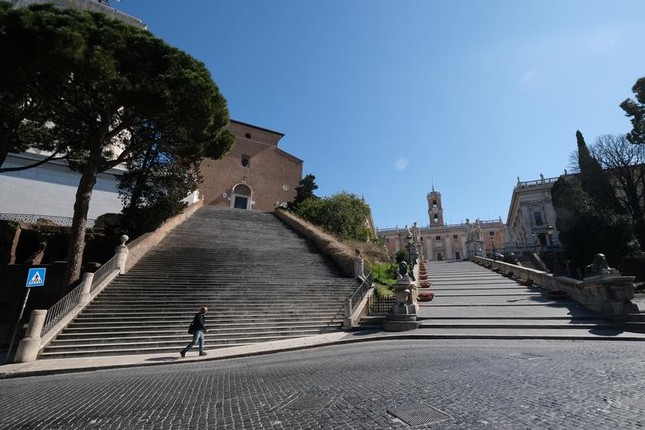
{"x": 439, "y": 241}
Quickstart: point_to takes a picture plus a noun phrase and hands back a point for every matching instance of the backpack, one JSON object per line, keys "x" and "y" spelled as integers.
{"x": 191, "y": 328}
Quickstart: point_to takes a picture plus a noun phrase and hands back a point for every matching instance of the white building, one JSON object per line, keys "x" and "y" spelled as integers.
{"x": 531, "y": 217}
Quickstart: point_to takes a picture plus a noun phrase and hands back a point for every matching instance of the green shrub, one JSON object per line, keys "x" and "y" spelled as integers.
{"x": 383, "y": 273}
{"x": 383, "y": 291}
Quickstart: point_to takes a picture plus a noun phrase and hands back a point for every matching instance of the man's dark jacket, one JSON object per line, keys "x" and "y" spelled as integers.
{"x": 199, "y": 322}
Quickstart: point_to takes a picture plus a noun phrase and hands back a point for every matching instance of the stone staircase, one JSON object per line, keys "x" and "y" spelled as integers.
{"x": 472, "y": 302}
{"x": 259, "y": 279}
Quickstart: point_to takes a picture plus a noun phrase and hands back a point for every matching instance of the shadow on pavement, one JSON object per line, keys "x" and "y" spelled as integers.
{"x": 169, "y": 358}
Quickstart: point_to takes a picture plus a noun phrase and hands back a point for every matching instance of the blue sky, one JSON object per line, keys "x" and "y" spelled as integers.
{"x": 386, "y": 98}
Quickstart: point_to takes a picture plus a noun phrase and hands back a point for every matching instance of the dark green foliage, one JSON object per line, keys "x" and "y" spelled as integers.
{"x": 635, "y": 109}
{"x": 33, "y": 49}
{"x": 153, "y": 190}
{"x": 344, "y": 215}
{"x": 305, "y": 190}
{"x": 401, "y": 255}
{"x": 586, "y": 227}
{"x": 594, "y": 179}
{"x": 383, "y": 273}
{"x": 114, "y": 91}
{"x": 624, "y": 164}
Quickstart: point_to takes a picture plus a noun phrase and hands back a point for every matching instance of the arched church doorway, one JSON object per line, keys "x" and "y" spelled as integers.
{"x": 241, "y": 197}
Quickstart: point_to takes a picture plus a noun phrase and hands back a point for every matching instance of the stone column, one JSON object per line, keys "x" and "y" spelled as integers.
{"x": 88, "y": 277}
{"x": 30, "y": 345}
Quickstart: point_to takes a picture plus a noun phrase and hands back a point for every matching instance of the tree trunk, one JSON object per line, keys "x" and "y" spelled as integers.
{"x": 76, "y": 243}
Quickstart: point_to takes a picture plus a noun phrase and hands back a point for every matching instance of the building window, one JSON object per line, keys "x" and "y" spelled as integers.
{"x": 454, "y": 236}
{"x": 248, "y": 135}
{"x": 246, "y": 161}
{"x": 437, "y": 237}
{"x": 491, "y": 233}
{"x": 538, "y": 218}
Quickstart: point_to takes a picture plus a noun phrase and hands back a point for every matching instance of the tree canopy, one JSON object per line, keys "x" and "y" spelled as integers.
{"x": 305, "y": 190}
{"x": 117, "y": 92}
{"x": 635, "y": 109}
{"x": 344, "y": 215}
{"x": 588, "y": 220}
{"x": 624, "y": 164}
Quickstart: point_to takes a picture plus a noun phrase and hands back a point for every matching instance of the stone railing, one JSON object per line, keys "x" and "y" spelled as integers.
{"x": 356, "y": 304}
{"x": 610, "y": 295}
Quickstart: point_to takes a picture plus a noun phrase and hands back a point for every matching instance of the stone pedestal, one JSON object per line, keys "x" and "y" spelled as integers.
{"x": 403, "y": 316}
{"x": 29, "y": 346}
{"x": 475, "y": 248}
{"x": 610, "y": 294}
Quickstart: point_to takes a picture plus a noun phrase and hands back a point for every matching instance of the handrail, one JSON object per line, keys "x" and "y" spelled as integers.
{"x": 358, "y": 294}
{"x": 72, "y": 299}
{"x": 104, "y": 271}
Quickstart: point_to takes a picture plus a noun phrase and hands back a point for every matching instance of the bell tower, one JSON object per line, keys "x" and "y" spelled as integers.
{"x": 435, "y": 209}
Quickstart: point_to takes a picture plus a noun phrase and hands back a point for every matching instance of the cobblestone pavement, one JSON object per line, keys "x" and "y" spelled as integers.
{"x": 436, "y": 384}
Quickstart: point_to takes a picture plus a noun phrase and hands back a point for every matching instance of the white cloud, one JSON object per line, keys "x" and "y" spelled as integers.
{"x": 401, "y": 163}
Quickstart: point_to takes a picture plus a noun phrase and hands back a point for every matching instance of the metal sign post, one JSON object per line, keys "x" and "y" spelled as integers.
{"x": 35, "y": 278}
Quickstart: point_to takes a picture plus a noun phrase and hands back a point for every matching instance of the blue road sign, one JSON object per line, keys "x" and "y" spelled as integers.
{"x": 36, "y": 277}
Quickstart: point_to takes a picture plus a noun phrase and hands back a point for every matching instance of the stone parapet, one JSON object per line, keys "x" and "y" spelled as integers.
{"x": 608, "y": 294}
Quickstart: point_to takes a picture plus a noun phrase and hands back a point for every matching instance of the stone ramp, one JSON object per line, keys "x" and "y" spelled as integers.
{"x": 261, "y": 281}
{"x": 474, "y": 302}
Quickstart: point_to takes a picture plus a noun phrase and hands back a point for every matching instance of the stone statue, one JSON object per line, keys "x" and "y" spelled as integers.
{"x": 416, "y": 233}
{"x": 478, "y": 231}
{"x": 600, "y": 267}
{"x": 469, "y": 231}
{"x": 403, "y": 268}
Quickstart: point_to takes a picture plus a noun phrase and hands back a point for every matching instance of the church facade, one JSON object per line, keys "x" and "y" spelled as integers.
{"x": 255, "y": 174}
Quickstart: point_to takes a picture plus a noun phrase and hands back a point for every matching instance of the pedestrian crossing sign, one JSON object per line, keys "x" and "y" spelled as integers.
{"x": 36, "y": 277}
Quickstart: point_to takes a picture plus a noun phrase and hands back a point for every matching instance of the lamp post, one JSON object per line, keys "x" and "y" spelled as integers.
{"x": 534, "y": 242}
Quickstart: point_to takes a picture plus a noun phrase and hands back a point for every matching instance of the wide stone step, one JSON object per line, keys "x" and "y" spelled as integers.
{"x": 174, "y": 342}
{"x": 172, "y": 348}
{"x": 181, "y": 327}
{"x": 105, "y": 337}
{"x": 183, "y": 322}
{"x": 260, "y": 279}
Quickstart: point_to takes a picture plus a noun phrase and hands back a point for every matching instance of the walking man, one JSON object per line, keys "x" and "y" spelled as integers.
{"x": 198, "y": 327}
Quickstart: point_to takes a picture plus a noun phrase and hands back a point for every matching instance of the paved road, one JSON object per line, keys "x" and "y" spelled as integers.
{"x": 437, "y": 384}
